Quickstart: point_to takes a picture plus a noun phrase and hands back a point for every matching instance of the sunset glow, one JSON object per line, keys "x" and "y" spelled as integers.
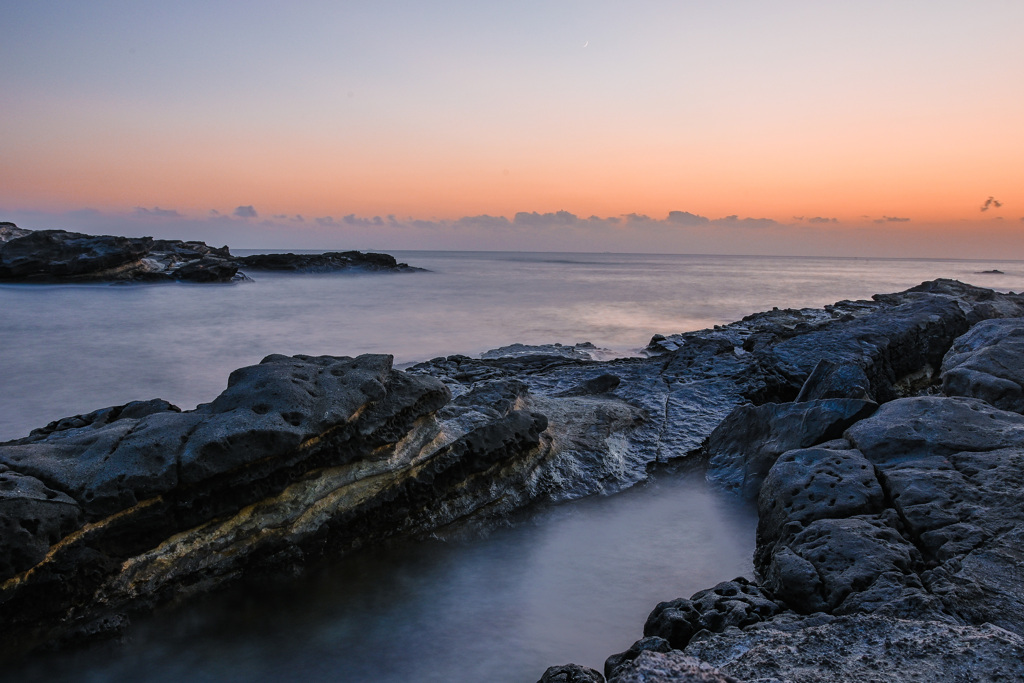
{"x": 851, "y": 112}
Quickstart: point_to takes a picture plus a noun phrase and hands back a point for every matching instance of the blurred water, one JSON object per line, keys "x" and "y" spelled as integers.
{"x": 574, "y": 584}
{"x": 72, "y": 349}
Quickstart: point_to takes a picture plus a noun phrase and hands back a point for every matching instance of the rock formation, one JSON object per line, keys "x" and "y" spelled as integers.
{"x": 889, "y": 514}
{"x": 46, "y": 256}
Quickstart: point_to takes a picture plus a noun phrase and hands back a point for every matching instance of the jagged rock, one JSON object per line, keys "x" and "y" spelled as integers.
{"x": 669, "y": 667}
{"x": 648, "y": 643}
{"x": 206, "y": 269}
{"x": 49, "y": 255}
{"x": 730, "y": 603}
{"x": 580, "y": 351}
{"x": 988, "y": 363}
{"x": 571, "y": 673}
{"x": 743, "y": 448}
{"x": 10, "y": 231}
{"x": 835, "y": 380}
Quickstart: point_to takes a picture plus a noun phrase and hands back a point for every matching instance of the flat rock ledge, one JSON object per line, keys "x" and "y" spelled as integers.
{"x": 55, "y": 256}
{"x": 880, "y": 498}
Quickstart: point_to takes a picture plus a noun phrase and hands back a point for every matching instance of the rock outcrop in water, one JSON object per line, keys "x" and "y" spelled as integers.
{"x": 47, "y": 256}
{"x": 884, "y": 507}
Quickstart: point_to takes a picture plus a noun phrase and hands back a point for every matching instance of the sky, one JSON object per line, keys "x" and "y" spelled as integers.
{"x": 790, "y": 127}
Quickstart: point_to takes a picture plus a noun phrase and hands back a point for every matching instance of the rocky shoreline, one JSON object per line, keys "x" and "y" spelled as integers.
{"x": 882, "y": 440}
{"x": 57, "y": 256}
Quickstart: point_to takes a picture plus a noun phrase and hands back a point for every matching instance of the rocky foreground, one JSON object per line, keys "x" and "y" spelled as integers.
{"x": 53, "y": 256}
{"x": 882, "y": 440}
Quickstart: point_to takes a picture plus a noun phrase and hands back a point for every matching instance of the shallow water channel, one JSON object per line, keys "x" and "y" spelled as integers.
{"x": 573, "y": 583}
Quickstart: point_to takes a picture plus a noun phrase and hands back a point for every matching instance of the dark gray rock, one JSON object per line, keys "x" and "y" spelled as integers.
{"x": 326, "y": 262}
{"x": 809, "y": 484}
{"x": 835, "y": 380}
{"x": 32, "y": 518}
{"x": 52, "y": 255}
{"x": 743, "y": 448}
{"x": 571, "y": 673}
{"x": 927, "y": 426}
{"x": 736, "y": 603}
{"x": 648, "y": 643}
{"x": 864, "y": 649}
{"x": 669, "y": 667}
{"x": 601, "y": 384}
{"x": 988, "y": 363}
{"x": 206, "y": 269}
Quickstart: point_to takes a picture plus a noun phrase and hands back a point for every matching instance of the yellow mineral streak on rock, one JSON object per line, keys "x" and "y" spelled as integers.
{"x": 76, "y": 536}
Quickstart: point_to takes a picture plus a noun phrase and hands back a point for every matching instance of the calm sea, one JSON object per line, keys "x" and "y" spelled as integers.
{"x": 573, "y": 584}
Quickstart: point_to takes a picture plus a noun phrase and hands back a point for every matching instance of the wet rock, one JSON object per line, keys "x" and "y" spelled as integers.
{"x": 571, "y": 673}
{"x": 988, "y": 363}
{"x": 835, "y": 380}
{"x": 736, "y": 603}
{"x": 669, "y": 667}
{"x": 743, "y": 448}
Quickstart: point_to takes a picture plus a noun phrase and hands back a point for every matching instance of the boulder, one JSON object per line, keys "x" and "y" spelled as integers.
{"x": 736, "y": 603}
{"x": 988, "y": 363}
{"x": 743, "y": 448}
{"x": 571, "y": 673}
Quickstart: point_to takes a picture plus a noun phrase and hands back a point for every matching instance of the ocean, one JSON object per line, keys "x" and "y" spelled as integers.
{"x": 573, "y": 583}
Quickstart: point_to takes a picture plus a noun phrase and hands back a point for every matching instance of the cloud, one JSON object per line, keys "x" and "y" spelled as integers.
{"x": 483, "y": 221}
{"x": 325, "y": 220}
{"x": 214, "y": 212}
{"x": 157, "y": 212}
{"x": 245, "y": 211}
{"x": 686, "y": 218}
{"x": 822, "y": 219}
{"x": 891, "y": 219}
{"x": 991, "y": 202}
{"x": 734, "y": 221}
{"x": 533, "y": 219}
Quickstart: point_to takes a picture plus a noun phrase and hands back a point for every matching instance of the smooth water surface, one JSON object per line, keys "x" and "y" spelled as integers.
{"x": 574, "y": 584}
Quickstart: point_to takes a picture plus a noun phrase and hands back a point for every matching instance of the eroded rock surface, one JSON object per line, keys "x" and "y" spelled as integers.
{"x": 891, "y": 551}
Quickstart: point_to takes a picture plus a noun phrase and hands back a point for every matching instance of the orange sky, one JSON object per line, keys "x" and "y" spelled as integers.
{"x": 906, "y": 110}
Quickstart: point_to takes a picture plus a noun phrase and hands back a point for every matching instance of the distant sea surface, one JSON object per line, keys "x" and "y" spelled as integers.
{"x": 69, "y": 349}
{"x": 575, "y": 583}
